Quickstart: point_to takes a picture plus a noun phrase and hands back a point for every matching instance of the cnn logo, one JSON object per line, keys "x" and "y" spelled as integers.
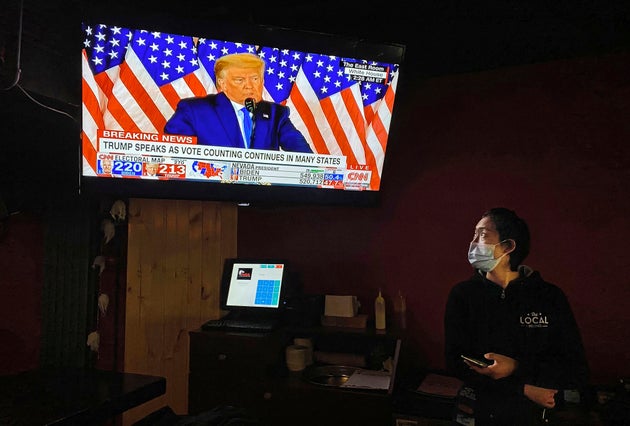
{"x": 358, "y": 176}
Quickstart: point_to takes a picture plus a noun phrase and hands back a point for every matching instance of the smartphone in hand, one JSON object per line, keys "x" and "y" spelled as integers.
{"x": 477, "y": 362}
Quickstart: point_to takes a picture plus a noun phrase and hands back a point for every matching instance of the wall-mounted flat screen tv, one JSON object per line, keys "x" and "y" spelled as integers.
{"x": 163, "y": 117}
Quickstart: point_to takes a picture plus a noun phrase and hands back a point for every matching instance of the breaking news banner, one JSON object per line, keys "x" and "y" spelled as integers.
{"x": 163, "y": 156}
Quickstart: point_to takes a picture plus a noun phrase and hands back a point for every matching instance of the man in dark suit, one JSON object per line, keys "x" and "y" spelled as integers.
{"x": 237, "y": 117}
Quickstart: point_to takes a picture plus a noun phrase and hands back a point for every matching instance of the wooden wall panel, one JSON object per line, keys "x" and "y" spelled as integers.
{"x": 176, "y": 251}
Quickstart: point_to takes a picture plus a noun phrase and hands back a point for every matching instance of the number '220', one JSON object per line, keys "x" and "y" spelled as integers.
{"x": 127, "y": 167}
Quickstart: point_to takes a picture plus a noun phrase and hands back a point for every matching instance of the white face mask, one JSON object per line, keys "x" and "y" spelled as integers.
{"x": 481, "y": 256}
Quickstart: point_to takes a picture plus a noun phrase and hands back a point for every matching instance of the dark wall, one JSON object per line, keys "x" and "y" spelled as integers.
{"x": 21, "y": 282}
{"x": 38, "y": 181}
{"x": 548, "y": 140}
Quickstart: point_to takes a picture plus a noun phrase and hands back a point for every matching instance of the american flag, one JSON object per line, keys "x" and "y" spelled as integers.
{"x": 133, "y": 79}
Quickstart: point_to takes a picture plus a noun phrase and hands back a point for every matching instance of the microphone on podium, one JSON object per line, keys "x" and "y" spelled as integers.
{"x": 250, "y": 104}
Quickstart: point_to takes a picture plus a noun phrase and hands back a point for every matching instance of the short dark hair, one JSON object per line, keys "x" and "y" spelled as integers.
{"x": 511, "y": 227}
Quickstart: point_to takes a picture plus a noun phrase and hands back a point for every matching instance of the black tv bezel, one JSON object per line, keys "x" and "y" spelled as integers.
{"x": 226, "y": 276}
{"x": 243, "y": 194}
{"x": 242, "y": 31}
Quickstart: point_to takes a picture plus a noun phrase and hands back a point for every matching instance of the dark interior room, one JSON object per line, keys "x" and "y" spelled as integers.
{"x": 514, "y": 104}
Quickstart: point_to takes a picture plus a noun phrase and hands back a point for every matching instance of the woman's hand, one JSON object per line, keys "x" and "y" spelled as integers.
{"x": 503, "y": 366}
{"x": 541, "y": 396}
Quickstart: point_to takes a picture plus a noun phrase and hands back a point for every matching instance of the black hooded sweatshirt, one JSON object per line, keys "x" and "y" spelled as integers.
{"x": 530, "y": 321}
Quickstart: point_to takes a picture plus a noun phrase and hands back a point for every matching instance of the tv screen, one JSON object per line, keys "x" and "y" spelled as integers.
{"x": 254, "y": 286}
{"x": 163, "y": 117}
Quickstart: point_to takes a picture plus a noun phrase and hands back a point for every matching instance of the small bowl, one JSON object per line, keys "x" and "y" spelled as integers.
{"x": 328, "y": 375}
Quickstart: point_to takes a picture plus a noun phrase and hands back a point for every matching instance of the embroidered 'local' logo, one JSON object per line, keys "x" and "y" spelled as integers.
{"x": 534, "y": 320}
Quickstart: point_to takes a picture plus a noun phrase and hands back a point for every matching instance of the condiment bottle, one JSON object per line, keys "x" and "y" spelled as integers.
{"x": 379, "y": 311}
{"x": 400, "y": 310}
